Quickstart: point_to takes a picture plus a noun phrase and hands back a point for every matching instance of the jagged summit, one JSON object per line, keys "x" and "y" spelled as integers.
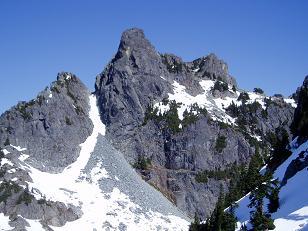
{"x": 135, "y": 39}
{"x": 64, "y": 75}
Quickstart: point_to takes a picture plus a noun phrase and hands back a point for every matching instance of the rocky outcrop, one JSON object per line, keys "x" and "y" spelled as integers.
{"x": 51, "y": 126}
{"x": 213, "y": 68}
{"x": 137, "y": 77}
{"x": 299, "y": 127}
{"x": 50, "y": 129}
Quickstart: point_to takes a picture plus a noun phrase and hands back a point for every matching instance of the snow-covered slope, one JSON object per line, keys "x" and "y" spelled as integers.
{"x": 214, "y": 105}
{"x": 108, "y": 192}
{"x": 293, "y": 211}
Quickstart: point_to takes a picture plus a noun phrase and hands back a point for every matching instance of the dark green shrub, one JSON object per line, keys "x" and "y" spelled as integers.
{"x": 189, "y": 118}
{"x": 258, "y": 90}
{"x": 165, "y": 101}
{"x": 223, "y": 125}
{"x": 264, "y": 114}
{"x": 55, "y": 89}
{"x": 68, "y": 121}
{"x": 220, "y": 86}
{"x": 25, "y": 197}
{"x": 40, "y": 99}
{"x": 1, "y": 154}
{"x": 142, "y": 163}
{"x": 172, "y": 118}
{"x": 7, "y": 142}
{"x": 7, "y": 188}
{"x": 220, "y": 143}
{"x": 243, "y": 97}
{"x": 233, "y": 110}
{"x": 24, "y": 113}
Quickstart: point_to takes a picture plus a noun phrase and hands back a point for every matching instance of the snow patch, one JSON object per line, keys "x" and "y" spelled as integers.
{"x": 23, "y": 157}
{"x": 5, "y": 152}
{"x": 6, "y": 161}
{"x": 35, "y": 225}
{"x": 18, "y": 148}
{"x": 196, "y": 70}
{"x": 12, "y": 170}
{"x": 291, "y": 101}
{"x": 98, "y": 172}
{"x": 4, "y": 223}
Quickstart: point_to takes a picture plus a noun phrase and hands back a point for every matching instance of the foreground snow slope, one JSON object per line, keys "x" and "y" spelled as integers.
{"x": 109, "y": 193}
{"x": 293, "y": 211}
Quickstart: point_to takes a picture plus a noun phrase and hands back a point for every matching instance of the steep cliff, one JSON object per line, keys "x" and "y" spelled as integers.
{"x": 174, "y": 119}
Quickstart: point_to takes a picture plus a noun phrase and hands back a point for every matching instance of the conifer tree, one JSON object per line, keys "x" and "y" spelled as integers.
{"x": 273, "y": 200}
{"x": 260, "y": 219}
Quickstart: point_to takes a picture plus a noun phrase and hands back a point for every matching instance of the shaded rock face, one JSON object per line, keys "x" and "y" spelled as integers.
{"x": 300, "y": 123}
{"x": 52, "y": 137}
{"x": 129, "y": 83}
{"x": 295, "y": 166}
{"x": 299, "y": 127}
{"x": 139, "y": 76}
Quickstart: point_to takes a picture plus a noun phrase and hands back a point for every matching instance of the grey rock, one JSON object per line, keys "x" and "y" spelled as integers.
{"x": 213, "y": 68}
{"x": 133, "y": 80}
{"x": 50, "y": 128}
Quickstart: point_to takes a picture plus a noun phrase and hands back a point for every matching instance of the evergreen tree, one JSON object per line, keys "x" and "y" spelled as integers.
{"x": 195, "y": 225}
{"x": 259, "y": 219}
{"x": 229, "y": 220}
{"x": 253, "y": 176}
{"x": 218, "y": 214}
{"x": 273, "y": 200}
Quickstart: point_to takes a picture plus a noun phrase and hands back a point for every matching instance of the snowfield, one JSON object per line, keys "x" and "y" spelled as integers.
{"x": 81, "y": 184}
{"x": 214, "y": 105}
{"x": 293, "y": 211}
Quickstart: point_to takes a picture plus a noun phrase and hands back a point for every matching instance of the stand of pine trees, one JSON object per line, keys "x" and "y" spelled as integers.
{"x": 219, "y": 220}
{"x": 244, "y": 180}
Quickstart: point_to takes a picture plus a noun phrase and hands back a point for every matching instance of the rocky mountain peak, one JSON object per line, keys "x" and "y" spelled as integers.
{"x": 64, "y": 76}
{"x": 134, "y": 44}
{"x": 212, "y": 67}
{"x": 134, "y": 38}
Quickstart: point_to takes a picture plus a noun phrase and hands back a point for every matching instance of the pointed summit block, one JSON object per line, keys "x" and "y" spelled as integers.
{"x": 134, "y": 38}
{"x": 136, "y": 47}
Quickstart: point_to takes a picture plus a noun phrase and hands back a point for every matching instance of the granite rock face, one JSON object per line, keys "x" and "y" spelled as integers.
{"x": 139, "y": 76}
{"x": 59, "y": 172}
{"x": 50, "y": 128}
{"x": 51, "y": 136}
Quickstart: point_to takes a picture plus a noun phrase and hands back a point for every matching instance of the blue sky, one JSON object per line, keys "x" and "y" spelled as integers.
{"x": 264, "y": 42}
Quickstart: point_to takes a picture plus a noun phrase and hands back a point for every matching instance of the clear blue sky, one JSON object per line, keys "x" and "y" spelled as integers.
{"x": 264, "y": 42}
